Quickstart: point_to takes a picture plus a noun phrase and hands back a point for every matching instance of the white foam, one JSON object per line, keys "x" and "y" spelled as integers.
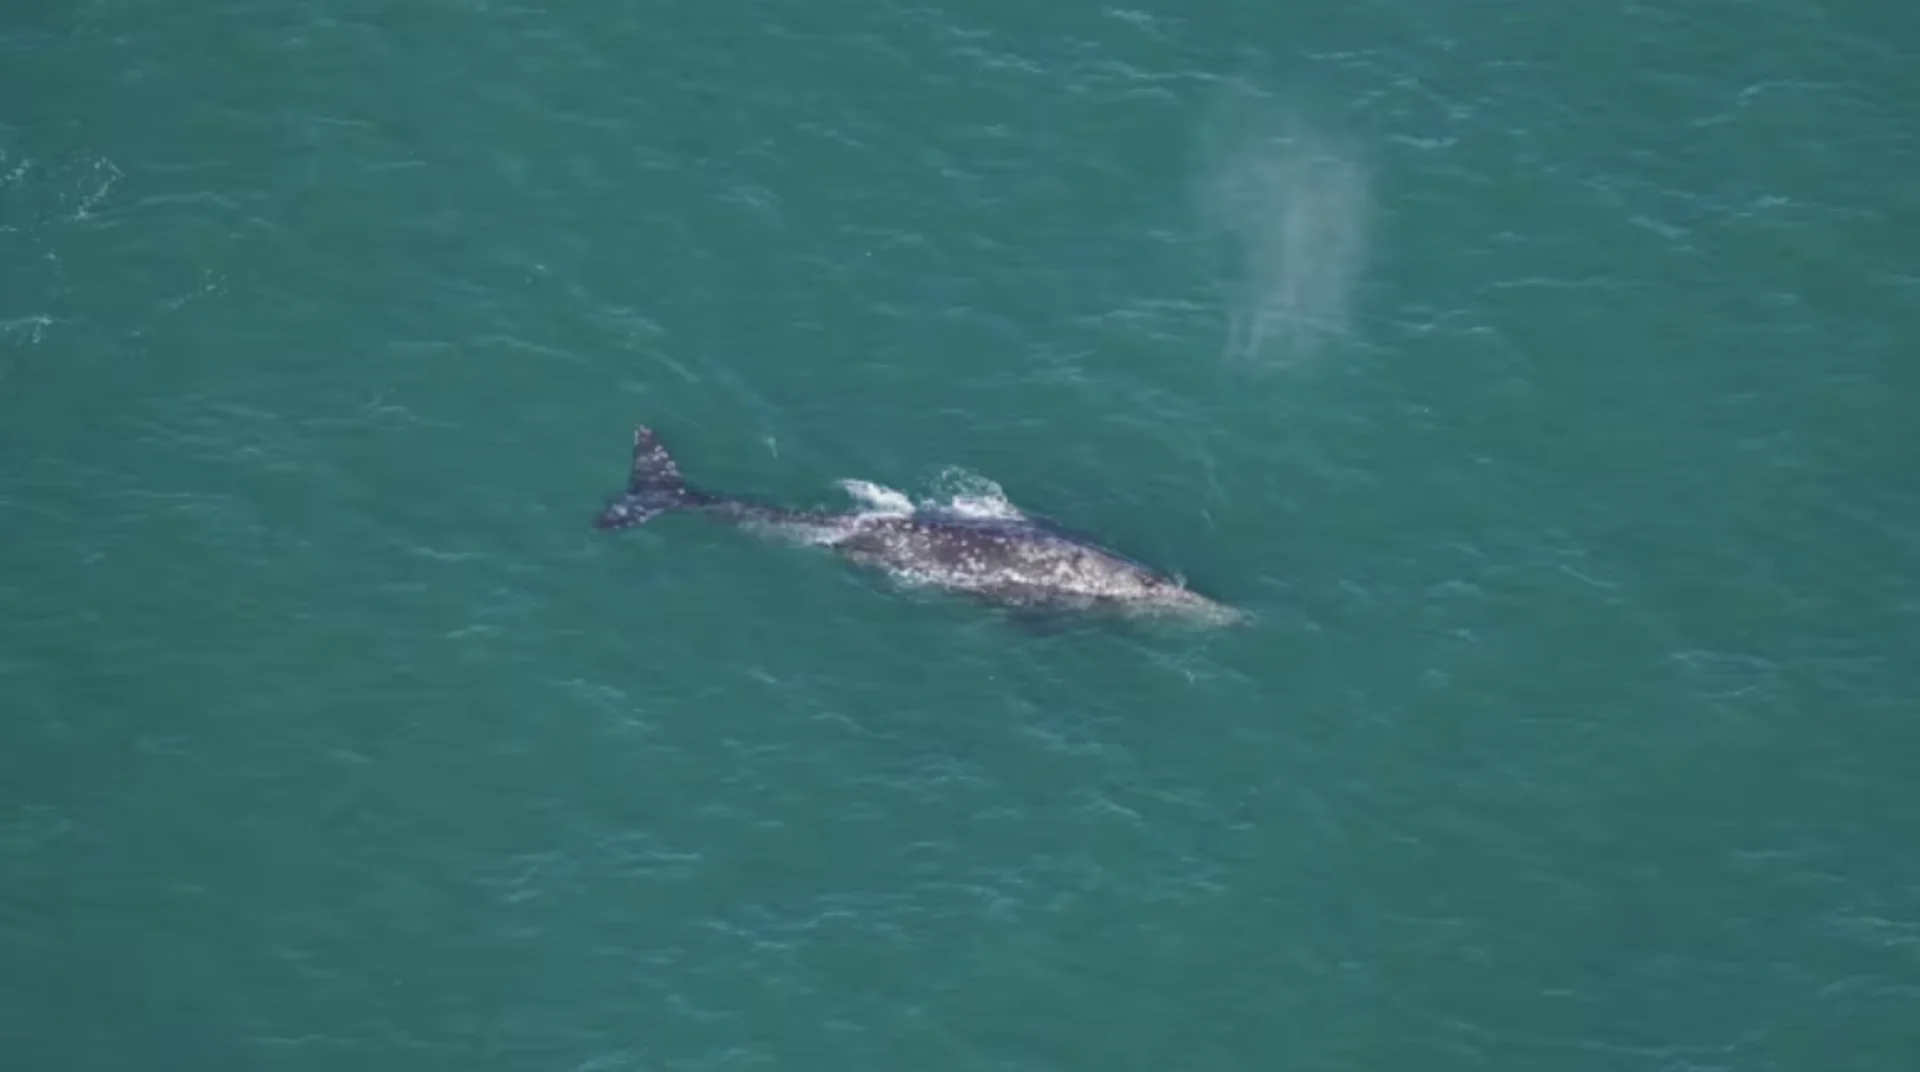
{"x": 971, "y": 495}
{"x": 955, "y": 492}
{"x": 878, "y": 500}
{"x": 983, "y": 506}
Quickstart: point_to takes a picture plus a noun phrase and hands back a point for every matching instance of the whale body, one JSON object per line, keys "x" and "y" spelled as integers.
{"x": 1004, "y": 557}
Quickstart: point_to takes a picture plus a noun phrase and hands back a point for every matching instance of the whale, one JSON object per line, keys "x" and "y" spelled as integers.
{"x": 1003, "y": 557}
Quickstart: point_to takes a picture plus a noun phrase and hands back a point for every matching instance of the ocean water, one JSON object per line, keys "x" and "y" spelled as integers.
{"x": 1542, "y": 378}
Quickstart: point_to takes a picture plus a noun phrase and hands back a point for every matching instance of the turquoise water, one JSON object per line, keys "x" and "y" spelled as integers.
{"x": 1541, "y": 378}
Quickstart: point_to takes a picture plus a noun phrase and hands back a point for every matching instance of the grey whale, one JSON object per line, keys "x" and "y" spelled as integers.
{"x": 1014, "y": 561}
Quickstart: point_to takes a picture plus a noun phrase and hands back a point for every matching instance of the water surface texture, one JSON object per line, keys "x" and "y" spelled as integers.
{"x": 1542, "y": 376}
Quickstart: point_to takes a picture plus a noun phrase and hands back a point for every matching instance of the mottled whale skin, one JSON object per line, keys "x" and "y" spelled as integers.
{"x": 1012, "y": 560}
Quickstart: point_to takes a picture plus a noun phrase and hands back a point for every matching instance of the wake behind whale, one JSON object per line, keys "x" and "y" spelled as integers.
{"x": 986, "y": 550}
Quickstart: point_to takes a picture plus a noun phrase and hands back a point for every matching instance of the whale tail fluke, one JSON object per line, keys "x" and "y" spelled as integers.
{"x": 654, "y": 486}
